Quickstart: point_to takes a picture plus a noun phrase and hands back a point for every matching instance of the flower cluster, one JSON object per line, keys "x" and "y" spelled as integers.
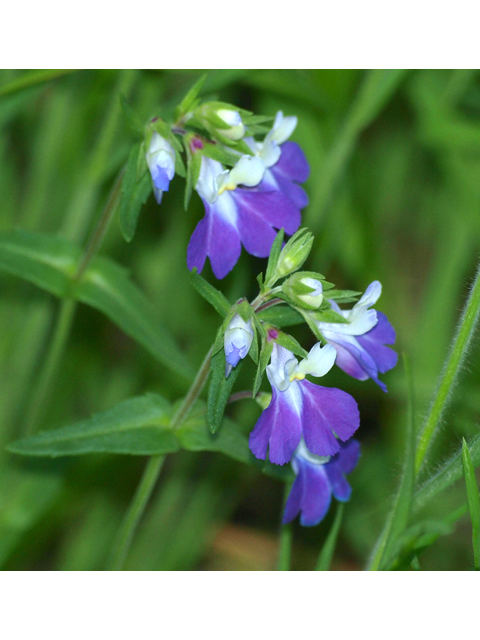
{"x": 250, "y": 189}
{"x": 249, "y": 179}
{"x": 306, "y": 424}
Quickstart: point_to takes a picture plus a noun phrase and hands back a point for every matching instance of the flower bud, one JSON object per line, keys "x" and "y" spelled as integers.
{"x": 160, "y": 159}
{"x": 236, "y": 128}
{"x": 304, "y": 290}
{"x": 294, "y": 253}
{"x": 237, "y": 341}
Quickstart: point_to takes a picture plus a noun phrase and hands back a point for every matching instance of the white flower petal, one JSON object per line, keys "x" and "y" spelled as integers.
{"x": 319, "y": 361}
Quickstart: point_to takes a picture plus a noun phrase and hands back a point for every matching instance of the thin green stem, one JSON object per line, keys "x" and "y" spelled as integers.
{"x": 66, "y": 314}
{"x": 101, "y": 229}
{"x": 142, "y": 495}
{"x": 452, "y": 367}
{"x": 328, "y": 549}
{"x": 43, "y": 387}
{"x": 148, "y": 481}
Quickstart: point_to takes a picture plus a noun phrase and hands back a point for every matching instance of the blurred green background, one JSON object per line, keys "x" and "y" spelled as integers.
{"x": 394, "y": 195}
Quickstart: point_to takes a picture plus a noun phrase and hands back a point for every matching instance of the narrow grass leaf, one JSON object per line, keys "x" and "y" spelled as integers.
{"x": 446, "y": 476}
{"x": 473, "y": 500}
{"x": 328, "y": 549}
{"x": 397, "y": 520}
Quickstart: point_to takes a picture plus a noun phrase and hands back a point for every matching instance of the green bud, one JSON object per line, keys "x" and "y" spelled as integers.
{"x": 304, "y": 289}
{"x": 294, "y": 253}
{"x": 263, "y": 399}
{"x": 221, "y": 120}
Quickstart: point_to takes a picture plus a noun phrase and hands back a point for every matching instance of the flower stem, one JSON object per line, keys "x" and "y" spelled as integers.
{"x": 451, "y": 369}
{"x": 124, "y": 538}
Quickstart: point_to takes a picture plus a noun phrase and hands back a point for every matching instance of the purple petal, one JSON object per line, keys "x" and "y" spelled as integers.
{"x": 374, "y": 340}
{"x": 316, "y": 493}
{"x": 289, "y": 188}
{"x": 342, "y": 463}
{"x": 292, "y": 164}
{"x": 273, "y": 207}
{"x": 216, "y": 238}
{"x": 294, "y": 500}
{"x": 325, "y": 412}
{"x": 357, "y": 361}
{"x": 160, "y": 178}
{"x": 279, "y": 428}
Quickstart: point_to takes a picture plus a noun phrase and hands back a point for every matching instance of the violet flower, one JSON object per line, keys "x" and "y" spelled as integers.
{"x": 360, "y": 343}
{"x": 235, "y": 215}
{"x": 301, "y": 409}
{"x": 285, "y": 162}
{"x": 317, "y": 479}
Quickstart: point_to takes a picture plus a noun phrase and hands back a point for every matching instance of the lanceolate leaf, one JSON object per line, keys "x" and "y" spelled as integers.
{"x": 195, "y": 435}
{"x": 135, "y": 191}
{"x": 106, "y": 287}
{"x": 215, "y": 297}
{"x": 45, "y": 261}
{"x": 139, "y": 426}
{"x": 219, "y": 389}
{"x": 50, "y": 263}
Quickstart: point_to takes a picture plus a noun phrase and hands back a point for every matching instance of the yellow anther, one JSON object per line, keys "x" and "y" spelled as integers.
{"x": 297, "y": 376}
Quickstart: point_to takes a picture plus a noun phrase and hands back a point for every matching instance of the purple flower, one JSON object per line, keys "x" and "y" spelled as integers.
{"x": 301, "y": 409}
{"x": 285, "y": 162}
{"x": 236, "y": 215}
{"x": 317, "y": 479}
{"x": 161, "y": 162}
{"x": 360, "y": 343}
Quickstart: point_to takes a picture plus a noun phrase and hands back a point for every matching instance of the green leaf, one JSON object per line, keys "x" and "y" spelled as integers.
{"x": 215, "y": 297}
{"x": 280, "y": 315}
{"x": 51, "y": 263}
{"x": 47, "y": 262}
{"x": 274, "y": 256}
{"x": 344, "y": 295}
{"x": 134, "y": 194}
{"x": 139, "y": 426}
{"x": 399, "y": 516}
{"x": 219, "y": 389}
{"x": 473, "y": 500}
{"x": 265, "y": 353}
{"x": 106, "y": 287}
{"x": 289, "y": 342}
{"x": 189, "y": 101}
{"x": 328, "y": 549}
{"x": 194, "y": 435}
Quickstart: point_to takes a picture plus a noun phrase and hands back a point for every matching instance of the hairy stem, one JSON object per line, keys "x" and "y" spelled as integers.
{"x": 450, "y": 372}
